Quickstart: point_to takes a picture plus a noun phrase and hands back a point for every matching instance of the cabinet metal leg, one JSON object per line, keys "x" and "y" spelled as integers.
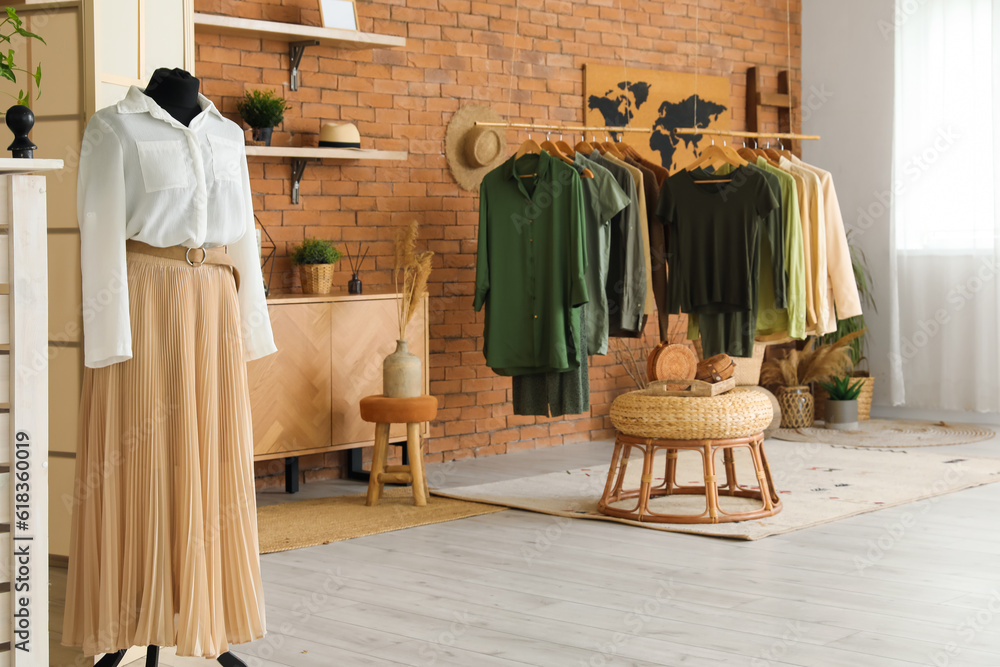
{"x": 292, "y": 474}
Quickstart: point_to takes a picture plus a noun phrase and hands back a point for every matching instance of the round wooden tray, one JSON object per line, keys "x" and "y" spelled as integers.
{"x": 671, "y": 362}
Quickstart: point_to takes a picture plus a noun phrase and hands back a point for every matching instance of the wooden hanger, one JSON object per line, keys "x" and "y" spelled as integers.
{"x": 610, "y": 147}
{"x": 565, "y": 148}
{"x": 585, "y": 147}
{"x": 528, "y": 146}
{"x": 555, "y": 152}
{"x": 715, "y": 155}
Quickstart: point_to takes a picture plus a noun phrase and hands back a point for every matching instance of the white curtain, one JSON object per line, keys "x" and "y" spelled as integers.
{"x": 944, "y": 263}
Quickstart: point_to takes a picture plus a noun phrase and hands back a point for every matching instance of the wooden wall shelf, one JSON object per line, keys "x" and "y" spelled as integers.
{"x": 308, "y": 152}
{"x": 302, "y": 154}
{"x": 294, "y": 32}
{"x": 298, "y": 37}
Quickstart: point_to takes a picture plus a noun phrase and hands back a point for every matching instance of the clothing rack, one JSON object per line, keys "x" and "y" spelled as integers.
{"x": 680, "y": 130}
{"x": 560, "y": 128}
{"x": 747, "y": 135}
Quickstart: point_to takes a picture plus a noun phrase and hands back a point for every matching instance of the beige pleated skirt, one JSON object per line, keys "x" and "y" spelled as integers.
{"x": 164, "y": 540}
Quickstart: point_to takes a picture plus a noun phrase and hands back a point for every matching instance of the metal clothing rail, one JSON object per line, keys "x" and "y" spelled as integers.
{"x": 747, "y": 135}
{"x": 561, "y": 128}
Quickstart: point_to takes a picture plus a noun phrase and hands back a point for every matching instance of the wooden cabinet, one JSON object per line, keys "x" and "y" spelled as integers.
{"x": 305, "y": 397}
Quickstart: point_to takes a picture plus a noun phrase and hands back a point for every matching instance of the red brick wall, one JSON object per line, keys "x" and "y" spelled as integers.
{"x": 459, "y": 52}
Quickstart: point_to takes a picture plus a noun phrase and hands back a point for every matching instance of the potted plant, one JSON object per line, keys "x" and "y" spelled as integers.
{"x": 315, "y": 259}
{"x": 19, "y": 117}
{"x": 401, "y": 369}
{"x": 262, "y": 110}
{"x": 842, "y": 404}
{"x": 793, "y": 374}
{"x": 859, "y": 346}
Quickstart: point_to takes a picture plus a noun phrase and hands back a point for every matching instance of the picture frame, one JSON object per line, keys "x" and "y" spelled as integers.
{"x": 341, "y": 14}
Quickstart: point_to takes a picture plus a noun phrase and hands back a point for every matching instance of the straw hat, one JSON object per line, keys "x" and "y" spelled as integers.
{"x": 339, "y": 135}
{"x": 474, "y": 151}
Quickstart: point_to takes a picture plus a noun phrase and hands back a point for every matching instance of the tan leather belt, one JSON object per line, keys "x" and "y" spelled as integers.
{"x": 195, "y": 257}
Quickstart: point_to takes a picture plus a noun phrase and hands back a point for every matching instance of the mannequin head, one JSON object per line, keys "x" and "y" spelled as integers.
{"x": 176, "y": 91}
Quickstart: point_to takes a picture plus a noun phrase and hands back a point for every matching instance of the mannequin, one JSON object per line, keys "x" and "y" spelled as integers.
{"x": 176, "y": 91}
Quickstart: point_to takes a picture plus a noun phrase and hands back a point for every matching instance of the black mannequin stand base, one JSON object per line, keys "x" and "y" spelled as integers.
{"x": 153, "y": 658}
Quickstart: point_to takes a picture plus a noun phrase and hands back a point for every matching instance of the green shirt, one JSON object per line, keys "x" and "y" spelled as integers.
{"x": 772, "y": 320}
{"x": 531, "y": 265}
{"x": 603, "y": 199}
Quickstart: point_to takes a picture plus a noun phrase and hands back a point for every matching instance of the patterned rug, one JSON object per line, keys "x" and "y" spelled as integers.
{"x": 818, "y": 483}
{"x": 879, "y": 433}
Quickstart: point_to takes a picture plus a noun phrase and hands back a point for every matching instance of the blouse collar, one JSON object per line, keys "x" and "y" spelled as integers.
{"x": 136, "y": 101}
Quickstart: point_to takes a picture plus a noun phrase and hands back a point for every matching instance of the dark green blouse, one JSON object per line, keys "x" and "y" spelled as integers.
{"x": 531, "y": 265}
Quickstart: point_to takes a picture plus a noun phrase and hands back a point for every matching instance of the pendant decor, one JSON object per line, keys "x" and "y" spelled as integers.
{"x": 20, "y": 120}
{"x": 796, "y": 407}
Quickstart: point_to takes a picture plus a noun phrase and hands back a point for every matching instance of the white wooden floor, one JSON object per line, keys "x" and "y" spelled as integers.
{"x": 896, "y": 587}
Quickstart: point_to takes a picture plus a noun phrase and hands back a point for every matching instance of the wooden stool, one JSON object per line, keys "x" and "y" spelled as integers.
{"x": 624, "y": 444}
{"x": 385, "y": 412}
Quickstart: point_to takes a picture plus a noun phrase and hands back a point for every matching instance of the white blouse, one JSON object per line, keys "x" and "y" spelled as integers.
{"x": 145, "y": 176}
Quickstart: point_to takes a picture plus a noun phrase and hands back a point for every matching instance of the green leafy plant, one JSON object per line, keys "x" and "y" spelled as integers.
{"x": 315, "y": 251}
{"x": 863, "y": 277}
{"x": 262, "y": 108}
{"x": 10, "y": 26}
{"x": 841, "y": 389}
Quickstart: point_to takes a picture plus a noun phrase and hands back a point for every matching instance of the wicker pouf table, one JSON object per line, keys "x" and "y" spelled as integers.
{"x": 655, "y": 424}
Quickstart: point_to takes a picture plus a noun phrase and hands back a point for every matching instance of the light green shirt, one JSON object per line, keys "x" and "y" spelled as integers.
{"x": 771, "y": 320}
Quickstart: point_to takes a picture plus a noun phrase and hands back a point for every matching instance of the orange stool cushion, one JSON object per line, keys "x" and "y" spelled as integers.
{"x": 382, "y": 410}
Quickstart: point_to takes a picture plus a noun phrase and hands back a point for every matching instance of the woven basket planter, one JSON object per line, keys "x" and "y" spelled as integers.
{"x": 747, "y": 371}
{"x": 740, "y": 413}
{"x": 864, "y": 399}
{"x": 797, "y": 407}
{"x": 316, "y": 278}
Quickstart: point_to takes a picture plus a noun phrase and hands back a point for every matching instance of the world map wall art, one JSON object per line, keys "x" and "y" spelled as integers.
{"x": 664, "y": 101}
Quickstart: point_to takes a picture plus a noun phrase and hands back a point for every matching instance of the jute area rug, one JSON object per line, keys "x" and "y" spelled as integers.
{"x": 308, "y": 523}
{"x": 880, "y": 433}
{"x": 818, "y": 483}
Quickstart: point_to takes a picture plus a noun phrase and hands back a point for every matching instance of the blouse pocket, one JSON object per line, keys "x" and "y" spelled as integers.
{"x": 226, "y": 158}
{"x": 164, "y": 165}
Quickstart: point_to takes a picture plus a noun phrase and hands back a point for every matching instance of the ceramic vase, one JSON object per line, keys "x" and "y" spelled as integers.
{"x": 842, "y": 415}
{"x": 796, "y": 407}
{"x": 401, "y": 373}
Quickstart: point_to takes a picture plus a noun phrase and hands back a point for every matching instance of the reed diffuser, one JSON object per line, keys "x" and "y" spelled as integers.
{"x": 354, "y": 284}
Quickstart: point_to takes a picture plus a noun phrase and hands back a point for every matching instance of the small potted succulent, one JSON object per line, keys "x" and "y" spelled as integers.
{"x": 315, "y": 259}
{"x": 842, "y": 404}
{"x": 262, "y": 110}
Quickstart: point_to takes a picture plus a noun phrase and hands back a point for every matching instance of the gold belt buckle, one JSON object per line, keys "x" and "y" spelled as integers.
{"x": 204, "y": 256}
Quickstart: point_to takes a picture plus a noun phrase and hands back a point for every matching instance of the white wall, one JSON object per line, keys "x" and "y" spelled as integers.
{"x": 847, "y": 98}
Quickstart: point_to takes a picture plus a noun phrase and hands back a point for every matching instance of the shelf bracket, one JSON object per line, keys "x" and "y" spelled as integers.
{"x": 295, "y": 51}
{"x": 298, "y": 168}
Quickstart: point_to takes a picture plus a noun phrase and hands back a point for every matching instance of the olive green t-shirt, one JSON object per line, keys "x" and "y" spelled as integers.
{"x": 531, "y": 264}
